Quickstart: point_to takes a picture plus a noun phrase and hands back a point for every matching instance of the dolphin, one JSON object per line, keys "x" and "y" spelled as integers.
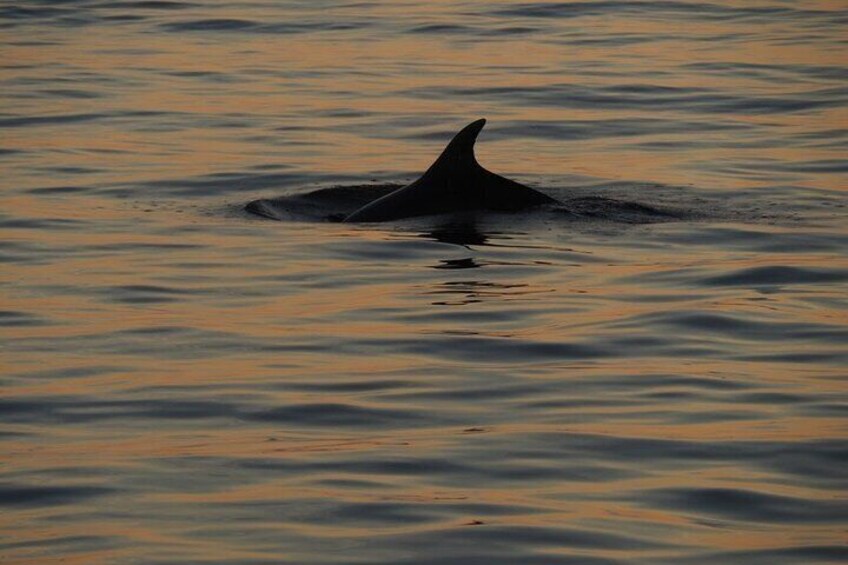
{"x": 455, "y": 182}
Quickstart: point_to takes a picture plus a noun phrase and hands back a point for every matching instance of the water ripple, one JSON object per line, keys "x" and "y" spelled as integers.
{"x": 737, "y": 504}
{"x": 650, "y": 372}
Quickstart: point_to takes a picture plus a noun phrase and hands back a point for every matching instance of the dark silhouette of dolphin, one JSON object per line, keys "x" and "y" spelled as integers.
{"x": 454, "y": 182}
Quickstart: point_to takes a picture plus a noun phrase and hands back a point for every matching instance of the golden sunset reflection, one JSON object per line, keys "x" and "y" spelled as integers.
{"x": 647, "y": 369}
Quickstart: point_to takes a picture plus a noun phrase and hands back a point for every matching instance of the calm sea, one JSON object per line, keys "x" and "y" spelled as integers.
{"x": 183, "y": 382}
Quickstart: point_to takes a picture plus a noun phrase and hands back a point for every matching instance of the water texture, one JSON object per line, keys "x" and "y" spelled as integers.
{"x": 652, "y": 374}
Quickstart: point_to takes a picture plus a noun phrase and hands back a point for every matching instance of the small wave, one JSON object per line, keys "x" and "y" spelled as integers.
{"x": 250, "y": 26}
{"x": 772, "y": 72}
{"x": 747, "y": 505}
{"x": 322, "y": 414}
{"x": 31, "y": 121}
{"x": 777, "y": 275}
{"x": 644, "y": 96}
{"x": 737, "y": 327}
{"x": 221, "y": 24}
{"x": 146, "y": 294}
{"x": 147, "y": 5}
{"x": 667, "y": 9}
{"x": 13, "y": 319}
{"x": 773, "y": 276}
{"x": 22, "y": 223}
{"x": 35, "y": 496}
{"x": 802, "y": 553}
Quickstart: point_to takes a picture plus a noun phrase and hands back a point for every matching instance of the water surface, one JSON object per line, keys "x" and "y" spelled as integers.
{"x": 185, "y": 382}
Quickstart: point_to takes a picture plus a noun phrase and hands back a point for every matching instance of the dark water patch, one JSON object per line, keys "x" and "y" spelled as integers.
{"x": 680, "y": 144}
{"x": 25, "y": 496}
{"x": 59, "y": 119}
{"x": 77, "y": 410}
{"x": 827, "y": 166}
{"x": 778, "y": 398}
{"x": 773, "y": 170}
{"x": 512, "y": 392}
{"x": 171, "y": 342}
{"x": 747, "y": 505}
{"x": 644, "y": 97}
{"x": 363, "y": 514}
{"x": 146, "y": 246}
{"x": 122, "y": 18}
{"x": 836, "y": 138}
{"x": 440, "y": 317}
{"x": 68, "y": 170}
{"x": 584, "y": 39}
{"x": 460, "y": 293}
{"x": 30, "y": 12}
{"x": 351, "y": 386}
{"x": 146, "y": 294}
{"x": 28, "y": 253}
{"x": 510, "y": 351}
{"x": 221, "y": 24}
{"x": 778, "y": 275}
{"x": 655, "y": 9}
{"x": 717, "y": 416}
{"x": 233, "y": 25}
{"x": 29, "y": 121}
{"x": 825, "y": 410}
{"x": 770, "y": 278}
{"x": 471, "y": 33}
{"x": 511, "y": 30}
{"x": 488, "y": 350}
{"x": 508, "y": 539}
{"x": 68, "y": 93}
{"x": 164, "y": 5}
{"x": 785, "y": 555}
{"x": 493, "y": 554}
{"x": 212, "y": 75}
{"x": 441, "y": 29}
{"x": 803, "y": 357}
{"x": 350, "y": 514}
{"x": 344, "y": 113}
{"x": 815, "y": 463}
{"x": 67, "y": 544}
{"x": 771, "y": 72}
{"x": 751, "y": 238}
{"x": 29, "y": 42}
{"x": 449, "y": 471}
{"x": 636, "y": 384}
{"x": 335, "y": 415}
{"x": 736, "y": 326}
{"x": 372, "y": 467}
{"x": 14, "y": 319}
{"x": 73, "y": 372}
{"x": 69, "y": 17}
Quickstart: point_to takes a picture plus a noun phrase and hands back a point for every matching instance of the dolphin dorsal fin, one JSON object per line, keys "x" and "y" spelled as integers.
{"x": 454, "y": 182}
{"x": 459, "y": 153}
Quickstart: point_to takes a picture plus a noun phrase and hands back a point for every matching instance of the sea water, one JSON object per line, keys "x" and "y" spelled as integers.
{"x": 183, "y": 382}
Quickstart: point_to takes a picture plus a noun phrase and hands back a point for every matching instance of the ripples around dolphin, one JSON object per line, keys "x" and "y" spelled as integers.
{"x": 650, "y": 372}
